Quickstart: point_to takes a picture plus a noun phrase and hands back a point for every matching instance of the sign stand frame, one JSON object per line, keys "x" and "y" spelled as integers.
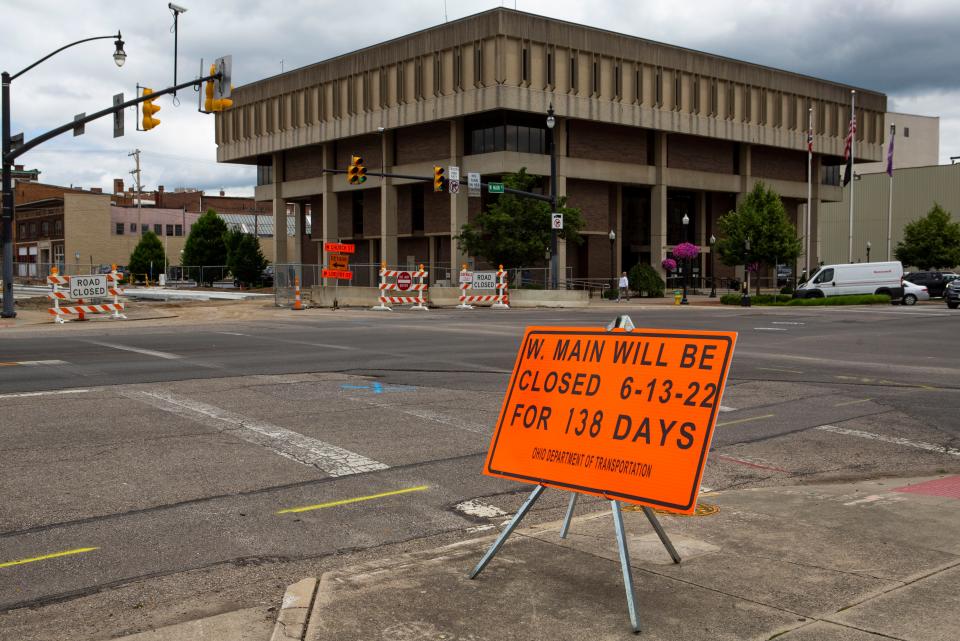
{"x": 623, "y": 321}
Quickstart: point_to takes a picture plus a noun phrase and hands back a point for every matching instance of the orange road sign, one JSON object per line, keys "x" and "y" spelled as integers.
{"x": 340, "y": 274}
{"x": 340, "y": 248}
{"x": 339, "y": 261}
{"x": 617, "y": 414}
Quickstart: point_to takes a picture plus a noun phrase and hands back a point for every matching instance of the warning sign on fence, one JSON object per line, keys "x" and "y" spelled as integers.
{"x": 622, "y": 415}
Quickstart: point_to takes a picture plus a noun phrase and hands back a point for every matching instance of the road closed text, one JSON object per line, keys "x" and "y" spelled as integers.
{"x": 613, "y": 413}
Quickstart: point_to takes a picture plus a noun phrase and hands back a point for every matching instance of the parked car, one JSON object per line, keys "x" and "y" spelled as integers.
{"x": 934, "y": 281}
{"x": 855, "y": 278}
{"x": 952, "y": 294}
{"x": 913, "y": 292}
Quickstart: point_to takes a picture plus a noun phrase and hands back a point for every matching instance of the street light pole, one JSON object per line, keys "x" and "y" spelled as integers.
{"x": 868, "y": 251}
{"x": 713, "y": 273}
{"x": 745, "y": 297}
{"x": 119, "y": 56}
{"x": 686, "y": 261}
{"x": 554, "y": 259}
{"x": 613, "y": 262}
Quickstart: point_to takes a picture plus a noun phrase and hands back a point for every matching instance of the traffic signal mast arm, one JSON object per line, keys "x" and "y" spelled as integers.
{"x": 429, "y": 179}
{"x": 53, "y": 133}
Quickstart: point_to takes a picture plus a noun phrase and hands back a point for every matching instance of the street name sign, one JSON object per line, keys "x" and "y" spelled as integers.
{"x": 484, "y": 280}
{"x": 495, "y": 188}
{"x": 88, "y": 286}
{"x": 624, "y": 415}
{"x": 339, "y": 248}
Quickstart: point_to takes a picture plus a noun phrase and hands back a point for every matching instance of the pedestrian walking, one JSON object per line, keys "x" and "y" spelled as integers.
{"x": 624, "y": 287}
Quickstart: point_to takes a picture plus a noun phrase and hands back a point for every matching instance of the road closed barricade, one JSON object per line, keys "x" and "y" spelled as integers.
{"x": 496, "y": 281}
{"x": 402, "y": 282}
{"x": 80, "y": 288}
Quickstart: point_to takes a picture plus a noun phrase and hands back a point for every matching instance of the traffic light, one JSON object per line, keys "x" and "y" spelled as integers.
{"x": 356, "y": 171}
{"x": 149, "y": 110}
{"x": 211, "y": 103}
{"x": 438, "y": 178}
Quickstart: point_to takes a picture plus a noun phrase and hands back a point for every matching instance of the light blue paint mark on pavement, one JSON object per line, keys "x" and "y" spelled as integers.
{"x": 378, "y": 388}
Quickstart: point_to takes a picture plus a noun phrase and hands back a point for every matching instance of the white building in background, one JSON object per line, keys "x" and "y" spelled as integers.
{"x": 917, "y": 143}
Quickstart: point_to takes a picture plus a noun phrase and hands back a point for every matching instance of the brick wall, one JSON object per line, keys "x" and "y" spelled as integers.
{"x": 305, "y": 162}
{"x": 371, "y": 212}
{"x": 417, "y": 247}
{"x": 345, "y": 214}
{"x": 700, "y": 154}
{"x": 598, "y": 141}
{"x": 779, "y": 164}
{"x": 404, "y": 215}
{"x": 366, "y": 146}
{"x": 436, "y": 211}
{"x": 598, "y": 257}
{"x": 430, "y": 142}
{"x": 595, "y": 200}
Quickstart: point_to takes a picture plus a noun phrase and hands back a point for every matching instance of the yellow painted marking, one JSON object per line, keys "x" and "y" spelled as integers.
{"x": 745, "y": 420}
{"x": 45, "y": 557}
{"x": 358, "y": 499}
{"x": 8, "y": 364}
{"x": 862, "y": 400}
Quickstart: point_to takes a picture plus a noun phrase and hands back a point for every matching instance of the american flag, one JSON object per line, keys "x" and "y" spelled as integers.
{"x": 851, "y": 132}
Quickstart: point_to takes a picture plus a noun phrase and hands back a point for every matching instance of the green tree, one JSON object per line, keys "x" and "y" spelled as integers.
{"x": 244, "y": 258}
{"x": 206, "y": 246}
{"x": 147, "y": 257}
{"x": 931, "y": 242}
{"x": 644, "y": 279}
{"x": 515, "y": 231}
{"x": 761, "y": 219}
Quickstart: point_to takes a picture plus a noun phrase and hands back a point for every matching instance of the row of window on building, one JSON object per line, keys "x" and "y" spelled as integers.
{"x": 158, "y": 229}
{"x": 28, "y": 231}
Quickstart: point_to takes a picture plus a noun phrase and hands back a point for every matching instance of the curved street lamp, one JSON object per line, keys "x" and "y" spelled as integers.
{"x": 119, "y": 57}
{"x": 686, "y": 261}
{"x": 713, "y": 273}
{"x": 554, "y": 259}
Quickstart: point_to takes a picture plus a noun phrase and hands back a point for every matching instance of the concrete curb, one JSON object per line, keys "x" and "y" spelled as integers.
{"x": 294, "y": 613}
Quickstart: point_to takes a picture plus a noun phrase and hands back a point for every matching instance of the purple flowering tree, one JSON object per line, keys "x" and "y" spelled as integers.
{"x": 668, "y": 265}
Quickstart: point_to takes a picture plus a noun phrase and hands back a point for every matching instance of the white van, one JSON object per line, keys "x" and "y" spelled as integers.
{"x": 855, "y": 278}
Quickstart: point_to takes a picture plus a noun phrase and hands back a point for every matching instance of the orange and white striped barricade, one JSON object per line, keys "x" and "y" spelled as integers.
{"x": 58, "y": 311}
{"x": 113, "y": 288}
{"x": 404, "y": 283}
{"x": 484, "y": 280}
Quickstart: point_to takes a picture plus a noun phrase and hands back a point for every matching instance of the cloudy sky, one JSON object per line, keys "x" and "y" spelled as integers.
{"x": 908, "y": 49}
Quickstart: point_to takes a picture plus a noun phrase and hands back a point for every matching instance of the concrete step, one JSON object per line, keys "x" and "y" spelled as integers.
{"x": 251, "y": 624}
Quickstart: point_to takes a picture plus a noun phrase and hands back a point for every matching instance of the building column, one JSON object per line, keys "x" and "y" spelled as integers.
{"x": 431, "y": 259}
{"x": 330, "y": 231}
{"x": 459, "y": 204}
{"x": 388, "y": 206}
{"x": 746, "y": 172}
{"x": 279, "y": 213}
{"x": 701, "y": 239}
{"x": 618, "y": 228}
{"x": 815, "y": 247}
{"x": 658, "y": 205}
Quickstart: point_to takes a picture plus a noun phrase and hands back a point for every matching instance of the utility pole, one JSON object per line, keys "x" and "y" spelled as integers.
{"x": 136, "y": 174}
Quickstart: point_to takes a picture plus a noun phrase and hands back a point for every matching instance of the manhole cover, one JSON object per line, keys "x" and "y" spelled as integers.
{"x": 702, "y": 509}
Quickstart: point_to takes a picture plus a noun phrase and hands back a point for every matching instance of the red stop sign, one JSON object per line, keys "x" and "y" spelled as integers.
{"x": 404, "y": 281}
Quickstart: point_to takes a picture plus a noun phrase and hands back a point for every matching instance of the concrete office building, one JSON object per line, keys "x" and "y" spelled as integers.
{"x": 646, "y": 132}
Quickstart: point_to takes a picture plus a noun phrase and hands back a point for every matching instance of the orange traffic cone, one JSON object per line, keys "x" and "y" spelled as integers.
{"x": 297, "y": 303}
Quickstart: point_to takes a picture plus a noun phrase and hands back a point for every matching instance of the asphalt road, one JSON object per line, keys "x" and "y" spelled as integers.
{"x": 160, "y": 459}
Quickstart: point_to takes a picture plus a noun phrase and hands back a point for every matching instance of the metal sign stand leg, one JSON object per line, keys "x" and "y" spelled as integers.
{"x": 514, "y": 522}
{"x": 625, "y": 564}
{"x": 662, "y": 534}
{"x": 569, "y": 516}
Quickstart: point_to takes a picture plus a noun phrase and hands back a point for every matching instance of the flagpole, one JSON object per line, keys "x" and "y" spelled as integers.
{"x": 893, "y": 130}
{"x": 853, "y": 174}
{"x": 809, "y": 184}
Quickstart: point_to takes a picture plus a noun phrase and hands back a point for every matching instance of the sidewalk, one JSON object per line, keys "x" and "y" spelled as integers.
{"x": 806, "y": 563}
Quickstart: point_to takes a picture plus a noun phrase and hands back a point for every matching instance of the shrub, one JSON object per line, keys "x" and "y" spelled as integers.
{"x": 784, "y": 300}
{"x": 645, "y": 281}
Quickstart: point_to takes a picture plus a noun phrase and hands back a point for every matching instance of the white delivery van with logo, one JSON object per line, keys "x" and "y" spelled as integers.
{"x": 854, "y": 278}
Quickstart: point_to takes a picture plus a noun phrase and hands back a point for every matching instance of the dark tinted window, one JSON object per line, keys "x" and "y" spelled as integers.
{"x": 824, "y": 276}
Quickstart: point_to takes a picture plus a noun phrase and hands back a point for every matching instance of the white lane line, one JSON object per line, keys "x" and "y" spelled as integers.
{"x": 138, "y": 350}
{"x": 333, "y": 460}
{"x": 771, "y": 329}
{"x": 724, "y": 408}
{"x": 479, "y": 509}
{"x": 786, "y": 323}
{"x": 867, "y": 499}
{"x": 896, "y": 440}
{"x": 50, "y": 393}
{"x": 233, "y": 334}
{"x": 778, "y": 369}
{"x": 36, "y": 363}
{"x": 427, "y": 415}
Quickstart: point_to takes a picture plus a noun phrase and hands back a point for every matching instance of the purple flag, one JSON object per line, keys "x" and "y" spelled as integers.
{"x": 890, "y": 154}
